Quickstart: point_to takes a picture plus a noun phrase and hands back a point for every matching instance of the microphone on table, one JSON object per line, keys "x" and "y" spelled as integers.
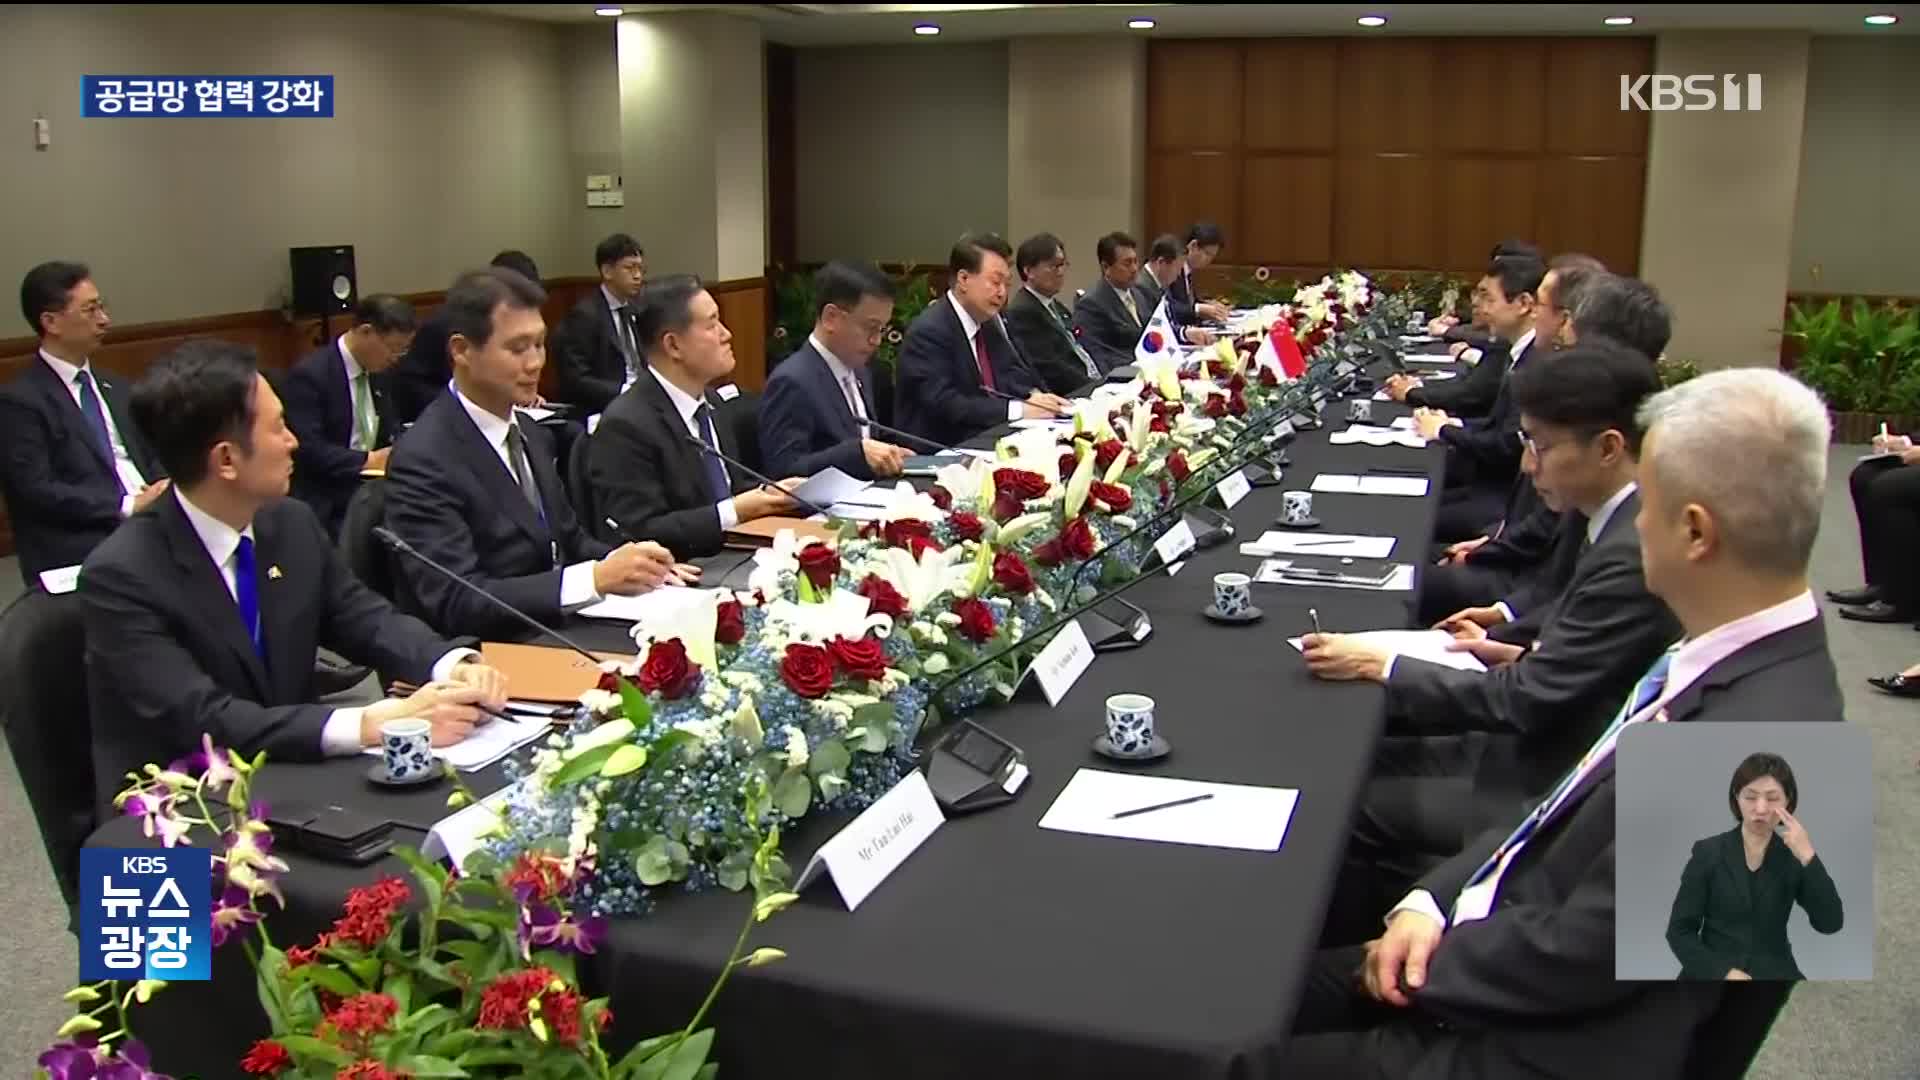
{"x": 392, "y": 540}
{"x": 992, "y": 391}
{"x": 805, "y": 504}
{"x": 897, "y": 433}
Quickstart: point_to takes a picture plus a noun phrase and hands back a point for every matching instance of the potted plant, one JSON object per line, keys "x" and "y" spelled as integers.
{"x": 1863, "y": 361}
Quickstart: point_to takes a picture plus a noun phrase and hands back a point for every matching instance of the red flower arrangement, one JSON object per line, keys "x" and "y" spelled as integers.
{"x": 1011, "y": 574}
{"x": 820, "y": 563}
{"x": 862, "y": 659}
{"x": 976, "y": 620}
{"x": 882, "y": 597}
{"x": 967, "y": 525}
{"x": 730, "y": 623}
{"x": 807, "y": 670}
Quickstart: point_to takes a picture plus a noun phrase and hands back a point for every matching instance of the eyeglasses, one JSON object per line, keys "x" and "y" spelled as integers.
{"x": 94, "y": 309}
{"x": 873, "y": 328}
{"x": 1538, "y": 448}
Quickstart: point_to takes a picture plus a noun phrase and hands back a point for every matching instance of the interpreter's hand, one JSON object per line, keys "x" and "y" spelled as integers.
{"x": 1341, "y": 658}
{"x": 1054, "y": 402}
{"x": 1736, "y": 975}
{"x": 885, "y": 459}
{"x": 1457, "y": 347}
{"x": 1457, "y": 553}
{"x": 1440, "y": 324}
{"x": 1488, "y": 651}
{"x": 1910, "y": 456}
{"x": 1485, "y": 617}
{"x": 149, "y": 493}
{"x": 686, "y": 573}
{"x": 632, "y": 569}
{"x": 1400, "y": 956}
{"x": 1428, "y": 422}
{"x": 450, "y": 710}
{"x": 1794, "y": 836}
{"x": 1398, "y": 385}
{"x": 377, "y": 459}
{"x": 1213, "y": 311}
{"x": 766, "y": 502}
{"x": 1197, "y": 335}
{"x": 490, "y": 681}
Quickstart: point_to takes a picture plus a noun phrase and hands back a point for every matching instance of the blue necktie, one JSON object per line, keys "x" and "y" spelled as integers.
{"x": 1645, "y": 692}
{"x": 246, "y": 593}
{"x": 96, "y": 416}
{"x": 716, "y": 472}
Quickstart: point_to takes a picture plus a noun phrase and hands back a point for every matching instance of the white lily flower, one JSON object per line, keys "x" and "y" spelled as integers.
{"x": 600, "y": 702}
{"x": 968, "y": 480}
{"x": 688, "y": 614}
{"x": 924, "y": 580}
{"x": 841, "y": 614}
{"x": 782, "y": 556}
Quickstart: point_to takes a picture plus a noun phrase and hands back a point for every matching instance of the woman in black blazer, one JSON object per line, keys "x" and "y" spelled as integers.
{"x": 1729, "y": 919}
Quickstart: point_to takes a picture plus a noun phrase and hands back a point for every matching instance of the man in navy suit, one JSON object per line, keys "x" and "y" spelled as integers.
{"x": 423, "y": 373}
{"x": 959, "y": 374}
{"x": 337, "y": 402}
{"x": 1184, "y": 307}
{"x": 72, "y": 462}
{"x": 594, "y": 345}
{"x": 478, "y": 492}
{"x": 818, "y": 405}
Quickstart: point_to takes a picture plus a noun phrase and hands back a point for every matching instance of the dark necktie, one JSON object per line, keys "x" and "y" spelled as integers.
{"x": 246, "y": 593}
{"x": 95, "y": 416}
{"x": 980, "y": 358}
{"x": 716, "y": 472}
{"x": 523, "y": 476}
{"x": 629, "y": 338}
{"x": 1065, "y": 322}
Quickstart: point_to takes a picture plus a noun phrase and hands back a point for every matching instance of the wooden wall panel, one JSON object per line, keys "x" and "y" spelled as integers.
{"x": 1205, "y": 110}
{"x": 1593, "y": 205}
{"x": 1488, "y": 96}
{"x": 1184, "y": 187}
{"x": 1584, "y": 113}
{"x": 1387, "y": 211}
{"x": 1386, "y": 90}
{"x": 1287, "y": 210}
{"x": 1483, "y": 200}
{"x": 1290, "y": 102}
{"x": 743, "y": 310}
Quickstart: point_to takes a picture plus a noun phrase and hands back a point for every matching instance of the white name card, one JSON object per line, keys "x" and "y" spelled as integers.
{"x": 1234, "y": 488}
{"x": 63, "y": 580}
{"x": 460, "y": 834}
{"x": 1285, "y": 430}
{"x": 1063, "y": 661}
{"x": 873, "y": 845}
{"x": 727, "y": 392}
{"x": 1175, "y": 542}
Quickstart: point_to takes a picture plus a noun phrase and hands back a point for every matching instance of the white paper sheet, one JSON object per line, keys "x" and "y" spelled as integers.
{"x": 1370, "y": 435}
{"x": 1419, "y": 358}
{"x": 1420, "y": 644}
{"x": 489, "y": 743}
{"x": 658, "y": 603}
{"x": 1237, "y": 816}
{"x": 1336, "y": 484}
{"x": 1410, "y": 486}
{"x": 1269, "y": 574}
{"x": 1031, "y": 422}
{"x": 1317, "y": 543}
{"x": 829, "y": 486}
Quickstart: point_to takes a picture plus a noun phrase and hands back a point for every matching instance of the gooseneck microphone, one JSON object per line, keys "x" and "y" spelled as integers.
{"x": 389, "y": 538}
{"x": 991, "y": 391}
{"x": 897, "y": 433}
{"x": 805, "y": 504}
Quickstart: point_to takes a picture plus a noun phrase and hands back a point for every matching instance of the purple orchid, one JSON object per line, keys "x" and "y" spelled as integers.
{"x": 543, "y": 927}
{"x": 231, "y": 912}
{"x": 76, "y": 1060}
{"x": 132, "y": 1063}
{"x": 171, "y": 828}
{"x": 209, "y": 764}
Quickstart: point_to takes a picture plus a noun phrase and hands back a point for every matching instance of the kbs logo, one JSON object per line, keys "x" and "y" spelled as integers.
{"x": 1694, "y": 93}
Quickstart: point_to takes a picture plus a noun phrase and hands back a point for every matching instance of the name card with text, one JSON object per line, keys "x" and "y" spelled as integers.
{"x": 61, "y": 581}
{"x": 1063, "y": 661}
{"x": 1175, "y": 542}
{"x": 873, "y": 845}
{"x": 1284, "y": 431}
{"x": 1234, "y": 488}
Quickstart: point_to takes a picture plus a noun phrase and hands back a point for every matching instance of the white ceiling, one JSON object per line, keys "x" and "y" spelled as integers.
{"x": 850, "y": 24}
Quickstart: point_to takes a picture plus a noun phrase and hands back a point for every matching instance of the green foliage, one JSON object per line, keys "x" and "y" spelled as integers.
{"x": 1673, "y": 371}
{"x": 794, "y": 307}
{"x": 1862, "y": 359}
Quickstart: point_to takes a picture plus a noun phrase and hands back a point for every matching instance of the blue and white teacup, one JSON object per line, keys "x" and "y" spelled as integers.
{"x": 407, "y": 746}
{"x": 1360, "y": 412}
{"x": 1232, "y": 594}
{"x": 1130, "y": 723}
{"x": 1296, "y": 507}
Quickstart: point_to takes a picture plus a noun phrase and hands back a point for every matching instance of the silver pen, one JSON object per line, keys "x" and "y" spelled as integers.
{"x": 1314, "y": 614}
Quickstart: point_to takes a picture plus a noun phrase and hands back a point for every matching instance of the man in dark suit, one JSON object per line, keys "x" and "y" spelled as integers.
{"x": 72, "y": 463}
{"x": 1483, "y": 456}
{"x": 958, "y": 372}
{"x": 1165, "y": 262}
{"x": 1473, "y": 394}
{"x": 205, "y": 610}
{"x": 1041, "y": 326}
{"x": 425, "y": 370}
{"x": 337, "y": 401}
{"x": 647, "y": 468}
{"x": 594, "y": 345}
{"x": 1469, "y": 746}
{"x": 1110, "y": 316}
{"x": 478, "y": 492}
{"x": 1495, "y": 967}
{"x": 1184, "y": 306}
{"x": 817, "y": 409}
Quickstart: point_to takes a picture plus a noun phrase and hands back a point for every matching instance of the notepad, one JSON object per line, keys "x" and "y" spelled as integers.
{"x": 652, "y": 604}
{"x": 1317, "y": 543}
{"x": 1429, "y": 645}
{"x": 1236, "y": 816}
{"x": 1369, "y": 435}
{"x": 1425, "y": 358}
{"x": 1271, "y": 572}
{"x": 1343, "y": 484}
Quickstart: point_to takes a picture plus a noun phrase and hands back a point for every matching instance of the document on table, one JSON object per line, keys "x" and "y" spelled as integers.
{"x": 1043, "y": 422}
{"x": 1370, "y": 435}
{"x": 489, "y": 743}
{"x": 1331, "y": 544}
{"x": 1344, "y": 484}
{"x": 829, "y": 486}
{"x": 1270, "y": 573}
{"x": 1430, "y": 645}
{"x": 655, "y": 604}
{"x": 1232, "y": 816}
{"x": 1427, "y": 358}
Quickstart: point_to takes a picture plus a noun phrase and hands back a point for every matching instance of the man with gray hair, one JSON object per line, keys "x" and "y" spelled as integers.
{"x": 1732, "y": 472}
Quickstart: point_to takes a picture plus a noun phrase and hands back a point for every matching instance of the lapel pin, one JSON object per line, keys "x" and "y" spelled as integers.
{"x": 273, "y": 573}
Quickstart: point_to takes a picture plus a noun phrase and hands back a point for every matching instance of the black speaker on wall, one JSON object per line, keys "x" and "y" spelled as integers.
{"x": 323, "y": 280}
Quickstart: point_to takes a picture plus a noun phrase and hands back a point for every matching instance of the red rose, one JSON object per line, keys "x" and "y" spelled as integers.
{"x": 1236, "y": 384}
{"x": 1020, "y": 483}
{"x": 1077, "y": 539}
{"x": 1236, "y": 405}
{"x": 967, "y": 526}
{"x": 730, "y": 627}
{"x": 1107, "y": 453}
{"x": 1177, "y": 465}
{"x": 1011, "y": 574}
{"x": 1268, "y": 378}
{"x": 1336, "y": 309}
{"x": 1049, "y": 553}
{"x": 1067, "y": 463}
{"x": 1116, "y": 499}
{"x": 920, "y": 545}
{"x": 807, "y": 670}
{"x": 609, "y": 681}
{"x": 667, "y": 671}
{"x": 1159, "y": 424}
{"x": 941, "y": 497}
{"x": 266, "y": 1058}
{"x": 976, "y": 620}
{"x": 901, "y": 533}
{"x": 820, "y": 563}
{"x": 882, "y": 597}
{"x": 863, "y": 659}
{"x": 1216, "y": 406}
{"x": 1007, "y": 506}
{"x": 870, "y": 530}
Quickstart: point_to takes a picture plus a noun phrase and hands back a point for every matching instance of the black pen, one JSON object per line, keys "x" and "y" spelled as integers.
{"x": 1388, "y": 470}
{"x": 1162, "y": 806}
{"x": 1322, "y": 543}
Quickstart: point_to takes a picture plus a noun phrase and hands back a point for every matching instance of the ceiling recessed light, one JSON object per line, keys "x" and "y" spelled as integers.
{"x": 1619, "y": 20}
{"x": 1882, "y": 20}
{"x": 610, "y": 12}
{"x": 1139, "y": 24}
{"x": 926, "y": 29}
{"x": 1372, "y": 20}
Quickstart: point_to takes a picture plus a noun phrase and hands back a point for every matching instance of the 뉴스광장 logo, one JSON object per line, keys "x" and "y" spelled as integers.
{"x": 1692, "y": 93}
{"x": 146, "y": 913}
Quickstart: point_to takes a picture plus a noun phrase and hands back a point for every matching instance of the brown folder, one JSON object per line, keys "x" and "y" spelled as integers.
{"x": 540, "y": 673}
{"x": 760, "y": 532}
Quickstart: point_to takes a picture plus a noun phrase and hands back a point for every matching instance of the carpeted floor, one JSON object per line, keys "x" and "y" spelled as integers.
{"x": 1835, "y": 1031}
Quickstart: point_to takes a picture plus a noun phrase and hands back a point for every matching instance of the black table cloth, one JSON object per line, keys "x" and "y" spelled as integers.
{"x": 998, "y": 949}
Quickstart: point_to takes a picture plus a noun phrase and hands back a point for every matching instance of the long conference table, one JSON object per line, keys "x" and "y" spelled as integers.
{"x": 998, "y": 948}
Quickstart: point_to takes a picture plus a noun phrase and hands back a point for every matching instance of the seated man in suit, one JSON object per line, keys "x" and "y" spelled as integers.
{"x": 1110, "y": 315}
{"x": 818, "y": 406}
{"x": 425, "y": 370}
{"x": 1166, "y": 262}
{"x": 958, "y": 372}
{"x": 1184, "y": 306}
{"x": 650, "y": 473}
{"x": 1484, "y": 456}
{"x": 72, "y": 462}
{"x": 477, "y": 491}
{"x": 594, "y": 345}
{"x": 1469, "y": 746}
{"x": 1042, "y": 327}
{"x": 204, "y": 611}
{"x": 1501, "y": 960}
{"x": 337, "y": 405}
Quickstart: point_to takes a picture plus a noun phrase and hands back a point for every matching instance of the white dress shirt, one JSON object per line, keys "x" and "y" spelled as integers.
{"x": 131, "y": 482}
{"x": 576, "y": 581}
{"x": 1015, "y": 409}
{"x": 849, "y": 382}
{"x": 356, "y": 440}
{"x": 1595, "y": 525}
{"x": 685, "y": 405}
{"x": 342, "y": 732}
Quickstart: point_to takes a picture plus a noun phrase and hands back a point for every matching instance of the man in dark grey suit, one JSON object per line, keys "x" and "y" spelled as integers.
{"x": 1501, "y": 960}
{"x": 818, "y": 407}
{"x": 1111, "y": 314}
{"x": 1467, "y": 747}
{"x": 1039, "y": 324}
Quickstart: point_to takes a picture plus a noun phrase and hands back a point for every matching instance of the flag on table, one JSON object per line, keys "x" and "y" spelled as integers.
{"x": 1281, "y": 354}
{"x": 1158, "y": 339}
